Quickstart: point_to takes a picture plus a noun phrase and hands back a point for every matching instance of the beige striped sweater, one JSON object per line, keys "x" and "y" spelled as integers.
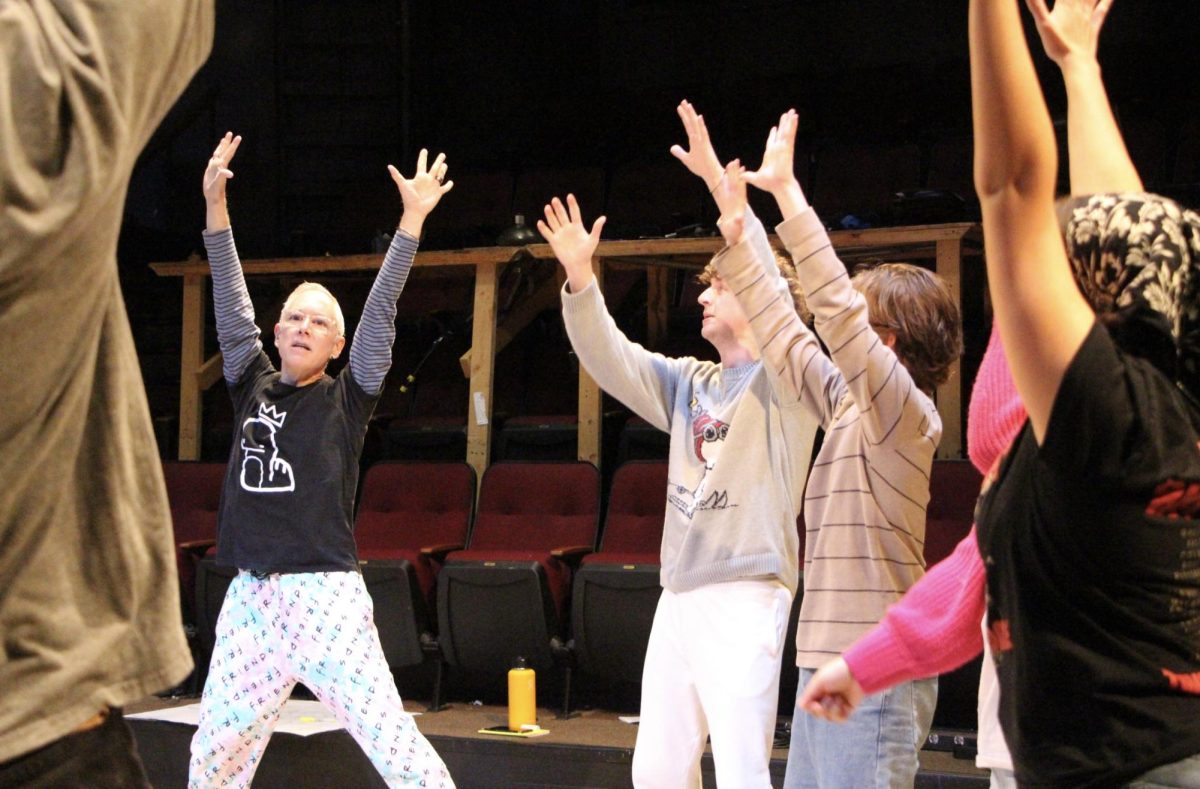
{"x": 869, "y": 486}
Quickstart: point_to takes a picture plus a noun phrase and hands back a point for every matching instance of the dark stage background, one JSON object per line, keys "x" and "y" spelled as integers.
{"x": 531, "y": 99}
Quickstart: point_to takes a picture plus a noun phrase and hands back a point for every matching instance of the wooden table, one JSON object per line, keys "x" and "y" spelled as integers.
{"x": 947, "y": 245}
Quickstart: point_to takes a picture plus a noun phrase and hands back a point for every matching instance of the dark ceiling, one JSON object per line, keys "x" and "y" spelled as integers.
{"x": 533, "y": 99}
{"x": 327, "y": 93}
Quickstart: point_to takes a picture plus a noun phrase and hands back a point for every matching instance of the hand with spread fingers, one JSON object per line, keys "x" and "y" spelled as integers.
{"x": 1098, "y": 158}
{"x": 1071, "y": 29}
{"x": 777, "y": 173}
{"x": 215, "y": 175}
{"x": 573, "y": 244}
{"x": 700, "y": 158}
{"x": 422, "y": 192}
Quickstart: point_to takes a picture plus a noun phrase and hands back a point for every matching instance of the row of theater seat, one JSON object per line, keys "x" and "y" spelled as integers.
{"x": 519, "y": 575}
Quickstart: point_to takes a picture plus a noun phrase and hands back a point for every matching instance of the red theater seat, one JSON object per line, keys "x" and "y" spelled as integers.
{"x": 507, "y": 594}
{"x": 616, "y": 590}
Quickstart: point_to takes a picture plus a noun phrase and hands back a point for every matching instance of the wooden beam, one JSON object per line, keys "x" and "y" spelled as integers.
{"x": 483, "y": 339}
{"x": 949, "y": 395}
{"x": 210, "y": 372}
{"x": 542, "y": 299}
{"x": 191, "y": 358}
{"x": 946, "y": 243}
{"x": 372, "y": 262}
{"x": 591, "y": 409}
{"x": 658, "y": 299}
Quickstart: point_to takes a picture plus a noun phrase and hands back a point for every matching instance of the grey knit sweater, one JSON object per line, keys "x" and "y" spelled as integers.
{"x": 738, "y": 459}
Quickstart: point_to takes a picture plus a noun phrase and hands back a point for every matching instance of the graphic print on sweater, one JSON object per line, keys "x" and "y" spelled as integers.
{"x": 708, "y": 433}
{"x": 263, "y": 471}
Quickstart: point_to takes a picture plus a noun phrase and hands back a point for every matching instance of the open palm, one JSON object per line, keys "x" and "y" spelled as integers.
{"x": 1071, "y": 28}
{"x": 571, "y": 241}
{"x": 217, "y": 172}
{"x": 422, "y": 192}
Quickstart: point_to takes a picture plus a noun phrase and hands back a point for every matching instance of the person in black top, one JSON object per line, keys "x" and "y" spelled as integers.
{"x": 298, "y": 609}
{"x": 1088, "y": 527}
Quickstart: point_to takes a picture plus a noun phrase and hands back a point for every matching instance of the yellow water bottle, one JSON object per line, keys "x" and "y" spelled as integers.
{"x": 522, "y": 697}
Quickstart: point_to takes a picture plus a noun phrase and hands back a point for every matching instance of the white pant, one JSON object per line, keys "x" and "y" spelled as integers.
{"x": 315, "y": 628}
{"x": 712, "y": 668}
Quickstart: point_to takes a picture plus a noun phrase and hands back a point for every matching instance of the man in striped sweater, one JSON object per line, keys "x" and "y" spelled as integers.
{"x": 298, "y": 610}
{"x": 892, "y": 333}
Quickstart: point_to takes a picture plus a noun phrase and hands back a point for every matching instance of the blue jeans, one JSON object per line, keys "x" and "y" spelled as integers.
{"x": 876, "y": 747}
{"x": 1183, "y": 774}
{"x": 101, "y": 758}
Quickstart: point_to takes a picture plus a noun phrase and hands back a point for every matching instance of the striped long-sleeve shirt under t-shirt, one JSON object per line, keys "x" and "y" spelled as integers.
{"x": 371, "y": 351}
{"x": 869, "y": 486}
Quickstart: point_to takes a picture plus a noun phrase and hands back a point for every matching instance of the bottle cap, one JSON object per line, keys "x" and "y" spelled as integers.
{"x": 520, "y": 663}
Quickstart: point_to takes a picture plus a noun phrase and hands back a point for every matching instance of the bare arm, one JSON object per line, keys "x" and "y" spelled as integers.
{"x": 1070, "y": 34}
{"x": 1042, "y": 316}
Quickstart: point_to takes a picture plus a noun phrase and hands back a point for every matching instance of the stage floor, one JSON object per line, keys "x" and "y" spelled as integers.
{"x": 593, "y": 748}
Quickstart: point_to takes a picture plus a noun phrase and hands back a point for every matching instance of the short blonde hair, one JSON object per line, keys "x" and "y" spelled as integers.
{"x": 337, "y": 308}
{"x": 917, "y": 308}
{"x": 787, "y": 270}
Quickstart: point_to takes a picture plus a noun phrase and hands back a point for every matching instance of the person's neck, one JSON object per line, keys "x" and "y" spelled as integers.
{"x": 737, "y": 353}
{"x": 292, "y": 378}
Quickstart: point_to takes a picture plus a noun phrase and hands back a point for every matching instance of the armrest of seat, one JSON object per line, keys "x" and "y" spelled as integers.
{"x": 571, "y": 554}
{"x": 439, "y": 552}
{"x": 196, "y": 548}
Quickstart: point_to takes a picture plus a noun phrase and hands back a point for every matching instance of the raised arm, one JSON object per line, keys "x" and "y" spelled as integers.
{"x": 799, "y": 372}
{"x": 1042, "y": 316}
{"x": 798, "y": 369}
{"x": 573, "y": 244}
{"x": 237, "y": 333}
{"x": 700, "y": 157}
{"x": 371, "y": 351}
{"x": 643, "y": 381}
{"x": 1070, "y": 34}
{"x": 863, "y": 366}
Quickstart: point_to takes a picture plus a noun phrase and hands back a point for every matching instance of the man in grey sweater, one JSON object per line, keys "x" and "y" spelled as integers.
{"x": 738, "y": 463}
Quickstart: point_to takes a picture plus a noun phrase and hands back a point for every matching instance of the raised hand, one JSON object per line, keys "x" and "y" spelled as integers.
{"x": 218, "y": 172}
{"x": 730, "y": 195}
{"x": 777, "y": 173}
{"x": 422, "y": 192}
{"x": 777, "y": 167}
{"x": 833, "y": 693}
{"x": 573, "y": 244}
{"x": 699, "y": 158}
{"x": 215, "y": 175}
{"x": 1071, "y": 29}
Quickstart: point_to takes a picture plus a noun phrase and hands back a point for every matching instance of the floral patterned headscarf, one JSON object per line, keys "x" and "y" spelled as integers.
{"x": 1135, "y": 258}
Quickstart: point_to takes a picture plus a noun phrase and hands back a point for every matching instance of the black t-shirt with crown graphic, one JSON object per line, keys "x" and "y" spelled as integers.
{"x": 1092, "y": 549}
{"x": 288, "y": 500}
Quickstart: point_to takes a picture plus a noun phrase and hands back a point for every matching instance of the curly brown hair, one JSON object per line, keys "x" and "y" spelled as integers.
{"x": 788, "y": 270}
{"x": 916, "y": 307}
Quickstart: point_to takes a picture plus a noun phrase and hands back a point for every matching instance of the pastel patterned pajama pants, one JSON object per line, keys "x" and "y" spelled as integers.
{"x": 315, "y": 628}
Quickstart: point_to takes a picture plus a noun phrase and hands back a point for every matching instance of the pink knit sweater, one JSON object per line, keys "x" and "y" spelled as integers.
{"x": 935, "y": 626}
